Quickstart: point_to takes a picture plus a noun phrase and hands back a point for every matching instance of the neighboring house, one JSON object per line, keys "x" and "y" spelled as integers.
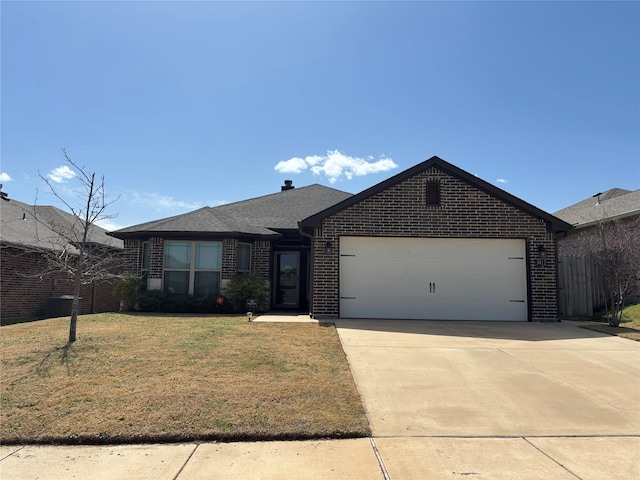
{"x": 433, "y": 242}
{"x": 581, "y": 290}
{"x": 26, "y": 283}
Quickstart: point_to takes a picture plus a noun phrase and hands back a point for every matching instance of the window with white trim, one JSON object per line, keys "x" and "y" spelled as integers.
{"x": 244, "y": 257}
{"x": 192, "y": 268}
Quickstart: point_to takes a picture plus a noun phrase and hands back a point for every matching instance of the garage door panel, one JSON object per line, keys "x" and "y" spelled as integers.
{"x": 441, "y": 309}
{"x": 455, "y": 279}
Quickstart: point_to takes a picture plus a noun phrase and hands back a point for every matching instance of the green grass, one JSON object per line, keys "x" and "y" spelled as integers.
{"x": 141, "y": 378}
{"x": 629, "y": 326}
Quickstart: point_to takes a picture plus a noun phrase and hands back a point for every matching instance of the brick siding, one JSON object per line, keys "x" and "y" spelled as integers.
{"x": 465, "y": 212}
{"x": 26, "y": 291}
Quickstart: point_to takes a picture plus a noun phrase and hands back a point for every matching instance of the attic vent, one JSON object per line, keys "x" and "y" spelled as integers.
{"x": 432, "y": 193}
{"x": 288, "y": 185}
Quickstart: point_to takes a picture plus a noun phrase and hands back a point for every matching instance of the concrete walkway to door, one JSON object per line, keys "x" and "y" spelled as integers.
{"x": 497, "y": 400}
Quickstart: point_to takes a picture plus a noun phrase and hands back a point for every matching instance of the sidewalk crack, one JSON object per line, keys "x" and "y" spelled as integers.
{"x": 185, "y": 462}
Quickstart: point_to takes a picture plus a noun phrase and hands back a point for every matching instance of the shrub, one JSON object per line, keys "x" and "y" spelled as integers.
{"x": 127, "y": 290}
{"x": 151, "y": 300}
{"x": 158, "y": 301}
{"x": 245, "y": 286}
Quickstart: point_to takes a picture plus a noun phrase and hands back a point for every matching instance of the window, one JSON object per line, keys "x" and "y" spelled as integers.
{"x": 244, "y": 257}
{"x": 144, "y": 261}
{"x": 192, "y": 268}
{"x": 432, "y": 193}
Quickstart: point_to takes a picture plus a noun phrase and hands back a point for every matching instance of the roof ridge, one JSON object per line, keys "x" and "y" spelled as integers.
{"x": 291, "y": 191}
{"x": 162, "y": 221}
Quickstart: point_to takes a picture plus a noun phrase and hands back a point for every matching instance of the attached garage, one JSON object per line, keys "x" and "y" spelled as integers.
{"x": 436, "y": 243}
{"x": 433, "y": 278}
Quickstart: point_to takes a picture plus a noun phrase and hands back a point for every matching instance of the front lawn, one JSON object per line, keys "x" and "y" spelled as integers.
{"x": 629, "y": 326}
{"x": 139, "y": 378}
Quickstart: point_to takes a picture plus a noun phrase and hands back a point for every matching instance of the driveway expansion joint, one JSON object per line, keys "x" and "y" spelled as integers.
{"x": 551, "y": 458}
{"x": 379, "y": 458}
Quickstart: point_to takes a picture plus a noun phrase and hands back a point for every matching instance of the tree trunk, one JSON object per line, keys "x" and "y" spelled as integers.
{"x": 75, "y": 305}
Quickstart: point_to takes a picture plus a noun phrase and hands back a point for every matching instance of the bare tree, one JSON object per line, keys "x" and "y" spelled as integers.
{"x": 614, "y": 244}
{"x": 75, "y": 253}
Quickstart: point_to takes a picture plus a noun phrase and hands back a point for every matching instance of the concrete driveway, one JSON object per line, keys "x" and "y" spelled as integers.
{"x": 497, "y": 400}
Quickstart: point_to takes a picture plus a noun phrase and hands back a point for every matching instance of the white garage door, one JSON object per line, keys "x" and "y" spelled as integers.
{"x": 437, "y": 279}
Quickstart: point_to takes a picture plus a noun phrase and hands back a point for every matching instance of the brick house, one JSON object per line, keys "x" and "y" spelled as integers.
{"x": 580, "y": 281}
{"x": 27, "y": 283}
{"x": 433, "y": 242}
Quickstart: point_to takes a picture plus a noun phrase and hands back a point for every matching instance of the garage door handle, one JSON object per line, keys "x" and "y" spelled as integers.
{"x": 432, "y": 287}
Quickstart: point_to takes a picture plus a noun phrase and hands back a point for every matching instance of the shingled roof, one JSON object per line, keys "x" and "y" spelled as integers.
{"x": 257, "y": 216}
{"x": 611, "y": 204}
{"x": 30, "y": 226}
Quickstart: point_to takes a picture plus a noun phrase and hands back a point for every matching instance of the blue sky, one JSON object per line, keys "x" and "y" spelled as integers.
{"x": 186, "y": 104}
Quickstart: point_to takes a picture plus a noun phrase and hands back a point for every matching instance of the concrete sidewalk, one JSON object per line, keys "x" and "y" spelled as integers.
{"x": 446, "y": 400}
{"x": 335, "y": 459}
{"x": 523, "y": 458}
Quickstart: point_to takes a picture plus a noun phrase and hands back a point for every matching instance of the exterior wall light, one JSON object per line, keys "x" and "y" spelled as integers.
{"x": 328, "y": 247}
{"x": 542, "y": 255}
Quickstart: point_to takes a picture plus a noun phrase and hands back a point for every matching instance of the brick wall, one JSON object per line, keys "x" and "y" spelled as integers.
{"x": 229, "y": 258}
{"x": 26, "y": 291}
{"x": 464, "y": 212}
{"x": 261, "y": 258}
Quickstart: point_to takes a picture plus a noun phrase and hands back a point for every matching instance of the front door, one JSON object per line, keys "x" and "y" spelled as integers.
{"x": 287, "y": 278}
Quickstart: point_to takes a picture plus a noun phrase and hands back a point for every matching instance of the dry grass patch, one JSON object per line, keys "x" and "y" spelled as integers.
{"x": 135, "y": 378}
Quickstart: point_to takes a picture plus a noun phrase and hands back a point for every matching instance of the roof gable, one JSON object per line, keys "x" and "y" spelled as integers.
{"x": 554, "y": 223}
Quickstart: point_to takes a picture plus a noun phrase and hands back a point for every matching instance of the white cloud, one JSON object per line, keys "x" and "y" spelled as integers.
{"x": 161, "y": 202}
{"x": 61, "y": 174}
{"x": 109, "y": 225}
{"x": 293, "y": 165}
{"x": 336, "y": 164}
{"x": 5, "y": 177}
{"x": 502, "y": 180}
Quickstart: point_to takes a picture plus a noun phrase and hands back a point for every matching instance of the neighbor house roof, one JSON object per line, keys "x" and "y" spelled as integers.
{"x": 556, "y": 224}
{"x": 36, "y": 226}
{"x": 612, "y": 204}
{"x": 261, "y": 216}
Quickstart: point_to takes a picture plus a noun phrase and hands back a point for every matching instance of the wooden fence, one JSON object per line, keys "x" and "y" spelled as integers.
{"x": 580, "y": 290}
